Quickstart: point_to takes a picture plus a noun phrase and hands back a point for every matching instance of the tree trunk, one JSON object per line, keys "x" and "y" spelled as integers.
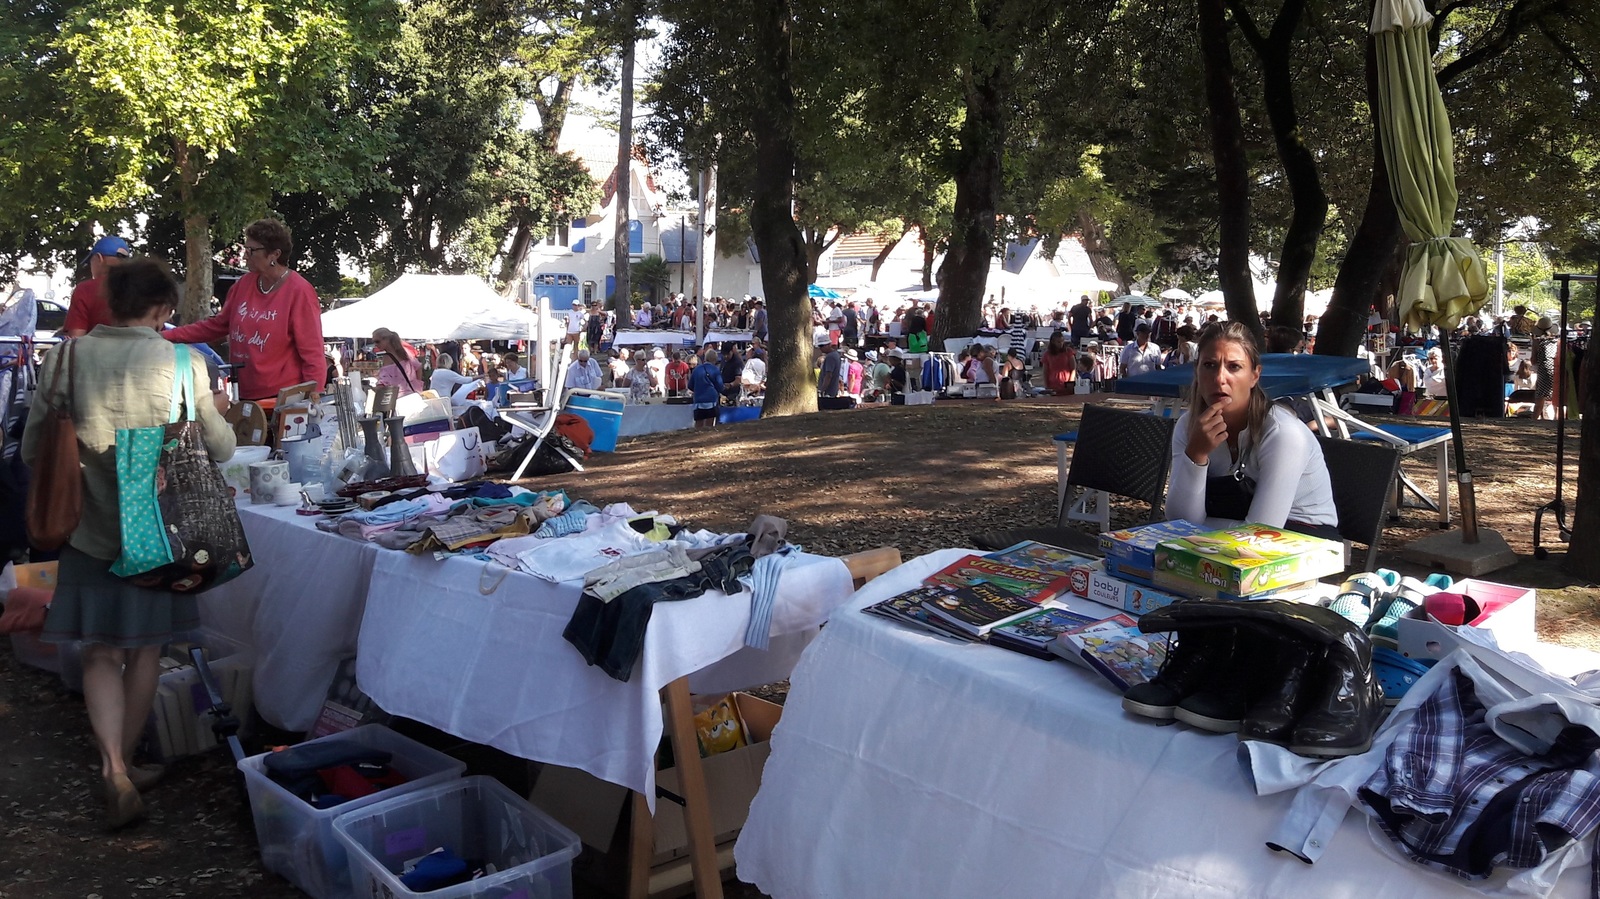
{"x": 1310, "y": 203}
{"x": 1233, "y": 178}
{"x": 927, "y": 259}
{"x": 553, "y": 112}
{"x": 883, "y": 254}
{"x": 196, "y": 302}
{"x": 1092, "y": 235}
{"x": 197, "y": 285}
{"x": 816, "y": 243}
{"x": 1371, "y": 252}
{"x": 791, "y": 384}
{"x": 622, "y": 300}
{"x": 521, "y": 241}
{"x": 983, "y": 133}
{"x": 1583, "y": 551}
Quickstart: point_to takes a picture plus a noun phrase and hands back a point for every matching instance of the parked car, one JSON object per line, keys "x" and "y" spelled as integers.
{"x": 52, "y": 318}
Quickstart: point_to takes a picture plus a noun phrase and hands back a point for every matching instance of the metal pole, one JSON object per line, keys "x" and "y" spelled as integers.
{"x": 1499, "y": 279}
{"x": 1469, "y": 501}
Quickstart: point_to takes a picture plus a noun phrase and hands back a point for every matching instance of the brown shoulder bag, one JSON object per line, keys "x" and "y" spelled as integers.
{"x": 55, "y": 495}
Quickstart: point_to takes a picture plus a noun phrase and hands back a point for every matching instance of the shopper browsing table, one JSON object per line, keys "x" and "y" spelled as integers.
{"x": 272, "y": 319}
{"x": 120, "y": 376}
{"x": 88, "y": 305}
{"x": 1140, "y": 356}
{"x": 401, "y": 369}
{"x": 1236, "y": 456}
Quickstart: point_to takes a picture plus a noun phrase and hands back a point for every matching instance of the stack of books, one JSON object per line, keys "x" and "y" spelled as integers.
{"x": 1008, "y": 590}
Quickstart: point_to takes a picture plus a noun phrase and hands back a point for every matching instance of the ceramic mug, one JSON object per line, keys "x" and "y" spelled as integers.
{"x": 265, "y": 479}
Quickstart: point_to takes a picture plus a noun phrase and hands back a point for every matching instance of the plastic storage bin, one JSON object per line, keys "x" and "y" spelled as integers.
{"x": 36, "y": 653}
{"x": 297, "y": 840}
{"x": 603, "y": 412}
{"x": 475, "y": 817}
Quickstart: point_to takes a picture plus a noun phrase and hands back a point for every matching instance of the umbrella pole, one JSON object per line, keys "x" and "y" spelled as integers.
{"x": 1469, "y": 501}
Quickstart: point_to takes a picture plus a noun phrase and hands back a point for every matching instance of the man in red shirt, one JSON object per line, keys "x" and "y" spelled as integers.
{"x": 272, "y": 319}
{"x": 87, "y": 307}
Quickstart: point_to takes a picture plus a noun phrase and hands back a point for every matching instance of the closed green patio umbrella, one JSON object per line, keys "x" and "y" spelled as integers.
{"x": 1444, "y": 278}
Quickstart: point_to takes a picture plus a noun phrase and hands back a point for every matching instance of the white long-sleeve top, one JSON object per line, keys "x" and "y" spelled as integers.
{"x": 1286, "y": 464}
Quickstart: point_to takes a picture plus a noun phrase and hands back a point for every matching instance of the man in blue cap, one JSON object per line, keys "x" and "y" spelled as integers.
{"x": 88, "y": 305}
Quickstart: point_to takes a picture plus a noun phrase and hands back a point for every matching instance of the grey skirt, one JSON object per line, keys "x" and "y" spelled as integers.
{"x": 93, "y": 605}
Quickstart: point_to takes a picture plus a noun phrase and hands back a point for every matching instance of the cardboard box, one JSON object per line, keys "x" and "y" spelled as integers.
{"x": 41, "y": 575}
{"x": 1506, "y": 611}
{"x": 1131, "y": 597}
{"x": 1132, "y": 551}
{"x": 593, "y": 808}
{"x": 1244, "y": 561}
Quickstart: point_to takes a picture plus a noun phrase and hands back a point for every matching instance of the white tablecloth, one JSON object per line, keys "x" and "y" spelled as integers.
{"x": 478, "y": 651}
{"x": 299, "y": 608}
{"x": 443, "y": 644}
{"x": 907, "y": 765}
{"x": 652, "y": 418}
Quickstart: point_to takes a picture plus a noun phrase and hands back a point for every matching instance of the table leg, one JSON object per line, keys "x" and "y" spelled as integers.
{"x": 641, "y": 847}
{"x": 692, "y": 780}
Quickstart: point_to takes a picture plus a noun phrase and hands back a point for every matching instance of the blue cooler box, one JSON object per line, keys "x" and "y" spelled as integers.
{"x": 603, "y": 412}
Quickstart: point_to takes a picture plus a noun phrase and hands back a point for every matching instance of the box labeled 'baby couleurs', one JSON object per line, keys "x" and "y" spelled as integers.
{"x": 1245, "y": 560}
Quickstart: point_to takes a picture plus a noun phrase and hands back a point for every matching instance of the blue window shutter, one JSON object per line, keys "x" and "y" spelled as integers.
{"x": 578, "y": 245}
{"x": 635, "y": 236}
{"x": 611, "y": 285}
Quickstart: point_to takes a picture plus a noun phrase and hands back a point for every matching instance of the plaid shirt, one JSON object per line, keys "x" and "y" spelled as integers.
{"x": 1458, "y": 798}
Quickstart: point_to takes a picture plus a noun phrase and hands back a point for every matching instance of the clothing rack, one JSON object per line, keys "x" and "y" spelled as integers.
{"x": 1558, "y": 505}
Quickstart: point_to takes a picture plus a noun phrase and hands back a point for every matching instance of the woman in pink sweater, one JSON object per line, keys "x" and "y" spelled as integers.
{"x": 272, "y": 319}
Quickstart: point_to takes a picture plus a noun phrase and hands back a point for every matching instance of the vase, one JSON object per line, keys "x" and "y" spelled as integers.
{"x": 377, "y": 467}
{"x": 400, "y": 464}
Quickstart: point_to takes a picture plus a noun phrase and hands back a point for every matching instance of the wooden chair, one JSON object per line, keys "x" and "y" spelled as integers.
{"x": 1361, "y": 474}
{"x": 704, "y": 862}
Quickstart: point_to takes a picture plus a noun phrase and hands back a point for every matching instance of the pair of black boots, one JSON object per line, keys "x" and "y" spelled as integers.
{"x": 1289, "y": 673}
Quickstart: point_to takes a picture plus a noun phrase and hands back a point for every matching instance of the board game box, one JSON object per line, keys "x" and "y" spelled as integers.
{"x": 1244, "y": 561}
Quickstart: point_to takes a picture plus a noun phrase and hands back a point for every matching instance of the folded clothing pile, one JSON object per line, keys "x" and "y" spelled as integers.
{"x": 326, "y": 775}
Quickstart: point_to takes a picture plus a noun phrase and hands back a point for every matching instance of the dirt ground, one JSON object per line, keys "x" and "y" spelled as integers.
{"x": 919, "y": 478}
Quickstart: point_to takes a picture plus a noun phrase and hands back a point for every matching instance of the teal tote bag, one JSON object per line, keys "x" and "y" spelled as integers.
{"x": 180, "y": 528}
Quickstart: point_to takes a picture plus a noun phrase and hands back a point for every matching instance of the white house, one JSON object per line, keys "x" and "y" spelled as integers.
{"x": 576, "y": 262}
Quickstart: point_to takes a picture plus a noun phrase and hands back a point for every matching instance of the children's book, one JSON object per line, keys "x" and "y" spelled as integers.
{"x": 1031, "y": 634}
{"x": 978, "y": 608}
{"x": 1123, "y": 659}
{"x": 1063, "y": 647}
{"x": 1028, "y": 584}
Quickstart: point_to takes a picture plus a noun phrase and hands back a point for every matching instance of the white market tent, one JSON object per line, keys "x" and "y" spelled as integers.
{"x": 434, "y": 307}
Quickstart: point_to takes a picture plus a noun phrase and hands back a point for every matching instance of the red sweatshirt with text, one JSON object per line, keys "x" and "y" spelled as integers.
{"x": 277, "y": 335}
